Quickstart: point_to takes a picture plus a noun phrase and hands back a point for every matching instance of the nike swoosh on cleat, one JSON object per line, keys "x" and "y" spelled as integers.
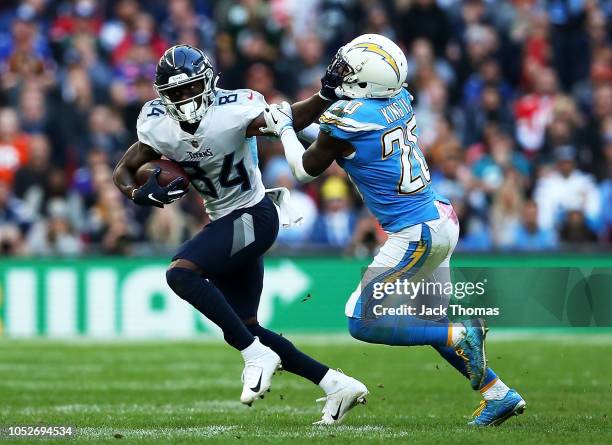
{"x": 335, "y": 416}
{"x": 258, "y": 386}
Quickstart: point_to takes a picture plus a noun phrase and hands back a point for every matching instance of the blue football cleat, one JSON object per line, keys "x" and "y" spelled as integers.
{"x": 496, "y": 412}
{"x": 471, "y": 349}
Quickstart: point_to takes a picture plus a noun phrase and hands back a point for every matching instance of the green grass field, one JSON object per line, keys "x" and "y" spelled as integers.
{"x": 187, "y": 392}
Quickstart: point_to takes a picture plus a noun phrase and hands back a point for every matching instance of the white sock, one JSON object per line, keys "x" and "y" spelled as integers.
{"x": 254, "y": 350}
{"x": 457, "y": 332}
{"x": 496, "y": 391}
{"x": 330, "y": 381}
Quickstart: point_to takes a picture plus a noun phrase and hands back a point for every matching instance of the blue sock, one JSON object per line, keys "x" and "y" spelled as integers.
{"x": 399, "y": 331}
{"x": 293, "y": 360}
{"x": 449, "y": 354}
{"x": 207, "y": 299}
{"x": 489, "y": 377}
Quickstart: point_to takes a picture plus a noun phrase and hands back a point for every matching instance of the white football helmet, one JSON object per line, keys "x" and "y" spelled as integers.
{"x": 371, "y": 66}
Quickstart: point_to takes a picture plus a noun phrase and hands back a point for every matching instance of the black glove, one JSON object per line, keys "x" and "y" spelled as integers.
{"x": 153, "y": 194}
{"x": 335, "y": 73}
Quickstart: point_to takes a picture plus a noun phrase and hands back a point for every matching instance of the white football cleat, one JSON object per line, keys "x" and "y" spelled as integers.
{"x": 347, "y": 392}
{"x": 260, "y": 364}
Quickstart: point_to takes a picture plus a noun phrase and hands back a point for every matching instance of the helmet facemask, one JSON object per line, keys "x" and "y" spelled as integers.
{"x": 201, "y": 90}
{"x": 343, "y": 71}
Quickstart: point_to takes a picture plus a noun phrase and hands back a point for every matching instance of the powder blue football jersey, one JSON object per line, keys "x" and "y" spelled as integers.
{"x": 388, "y": 168}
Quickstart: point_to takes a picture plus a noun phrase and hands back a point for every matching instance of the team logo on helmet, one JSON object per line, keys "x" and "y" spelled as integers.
{"x": 377, "y": 49}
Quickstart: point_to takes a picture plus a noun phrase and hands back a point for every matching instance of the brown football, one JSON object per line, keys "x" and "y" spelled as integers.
{"x": 169, "y": 172}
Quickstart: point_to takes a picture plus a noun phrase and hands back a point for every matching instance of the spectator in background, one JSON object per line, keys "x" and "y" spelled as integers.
{"x": 425, "y": 19}
{"x": 481, "y": 43}
{"x": 500, "y": 88}
{"x": 79, "y": 20}
{"x": 368, "y": 236}
{"x": 598, "y": 125}
{"x": 311, "y": 62}
{"x": 529, "y": 235}
{"x": 12, "y": 211}
{"x": 575, "y": 229}
{"x": 491, "y": 168}
{"x": 183, "y": 19}
{"x": 31, "y": 179}
{"x": 432, "y": 105}
{"x": 106, "y": 132}
{"x": 107, "y": 221}
{"x": 57, "y": 189}
{"x": 474, "y": 234}
{"x": 25, "y": 55}
{"x": 378, "y": 22}
{"x": 115, "y": 30}
{"x": 534, "y": 112}
{"x": 489, "y": 109}
{"x": 566, "y": 188}
{"x": 335, "y": 225}
{"x": 14, "y": 151}
{"x": 83, "y": 180}
{"x": 54, "y": 235}
{"x": 167, "y": 227}
{"x": 33, "y": 110}
{"x": 78, "y": 98}
{"x": 423, "y": 65}
{"x": 84, "y": 52}
{"x": 260, "y": 77}
{"x": 11, "y": 241}
{"x": 445, "y": 145}
{"x": 451, "y": 178}
{"x": 506, "y": 210}
{"x": 141, "y": 33}
{"x": 489, "y": 74}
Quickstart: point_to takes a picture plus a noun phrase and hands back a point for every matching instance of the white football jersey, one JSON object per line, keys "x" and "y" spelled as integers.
{"x": 219, "y": 158}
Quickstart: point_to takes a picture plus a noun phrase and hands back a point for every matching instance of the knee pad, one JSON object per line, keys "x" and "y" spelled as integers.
{"x": 182, "y": 281}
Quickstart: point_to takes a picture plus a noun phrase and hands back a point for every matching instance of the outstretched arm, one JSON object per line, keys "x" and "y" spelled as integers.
{"x": 307, "y": 111}
{"x": 304, "y": 114}
{"x": 305, "y": 164}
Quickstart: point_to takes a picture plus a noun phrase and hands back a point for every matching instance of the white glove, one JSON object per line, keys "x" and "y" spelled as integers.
{"x": 278, "y": 118}
{"x": 288, "y": 216}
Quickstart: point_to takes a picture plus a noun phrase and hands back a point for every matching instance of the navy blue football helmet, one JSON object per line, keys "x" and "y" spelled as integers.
{"x": 185, "y": 82}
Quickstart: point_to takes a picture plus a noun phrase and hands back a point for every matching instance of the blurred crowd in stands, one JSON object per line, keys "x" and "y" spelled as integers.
{"x": 513, "y": 101}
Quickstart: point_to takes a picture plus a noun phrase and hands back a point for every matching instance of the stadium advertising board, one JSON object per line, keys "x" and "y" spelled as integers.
{"x": 129, "y": 298}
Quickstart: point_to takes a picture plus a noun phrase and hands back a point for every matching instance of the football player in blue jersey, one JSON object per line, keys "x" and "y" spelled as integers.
{"x": 372, "y": 134}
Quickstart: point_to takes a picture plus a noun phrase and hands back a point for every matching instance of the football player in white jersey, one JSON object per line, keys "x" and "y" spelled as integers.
{"x": 211, "y": 133}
